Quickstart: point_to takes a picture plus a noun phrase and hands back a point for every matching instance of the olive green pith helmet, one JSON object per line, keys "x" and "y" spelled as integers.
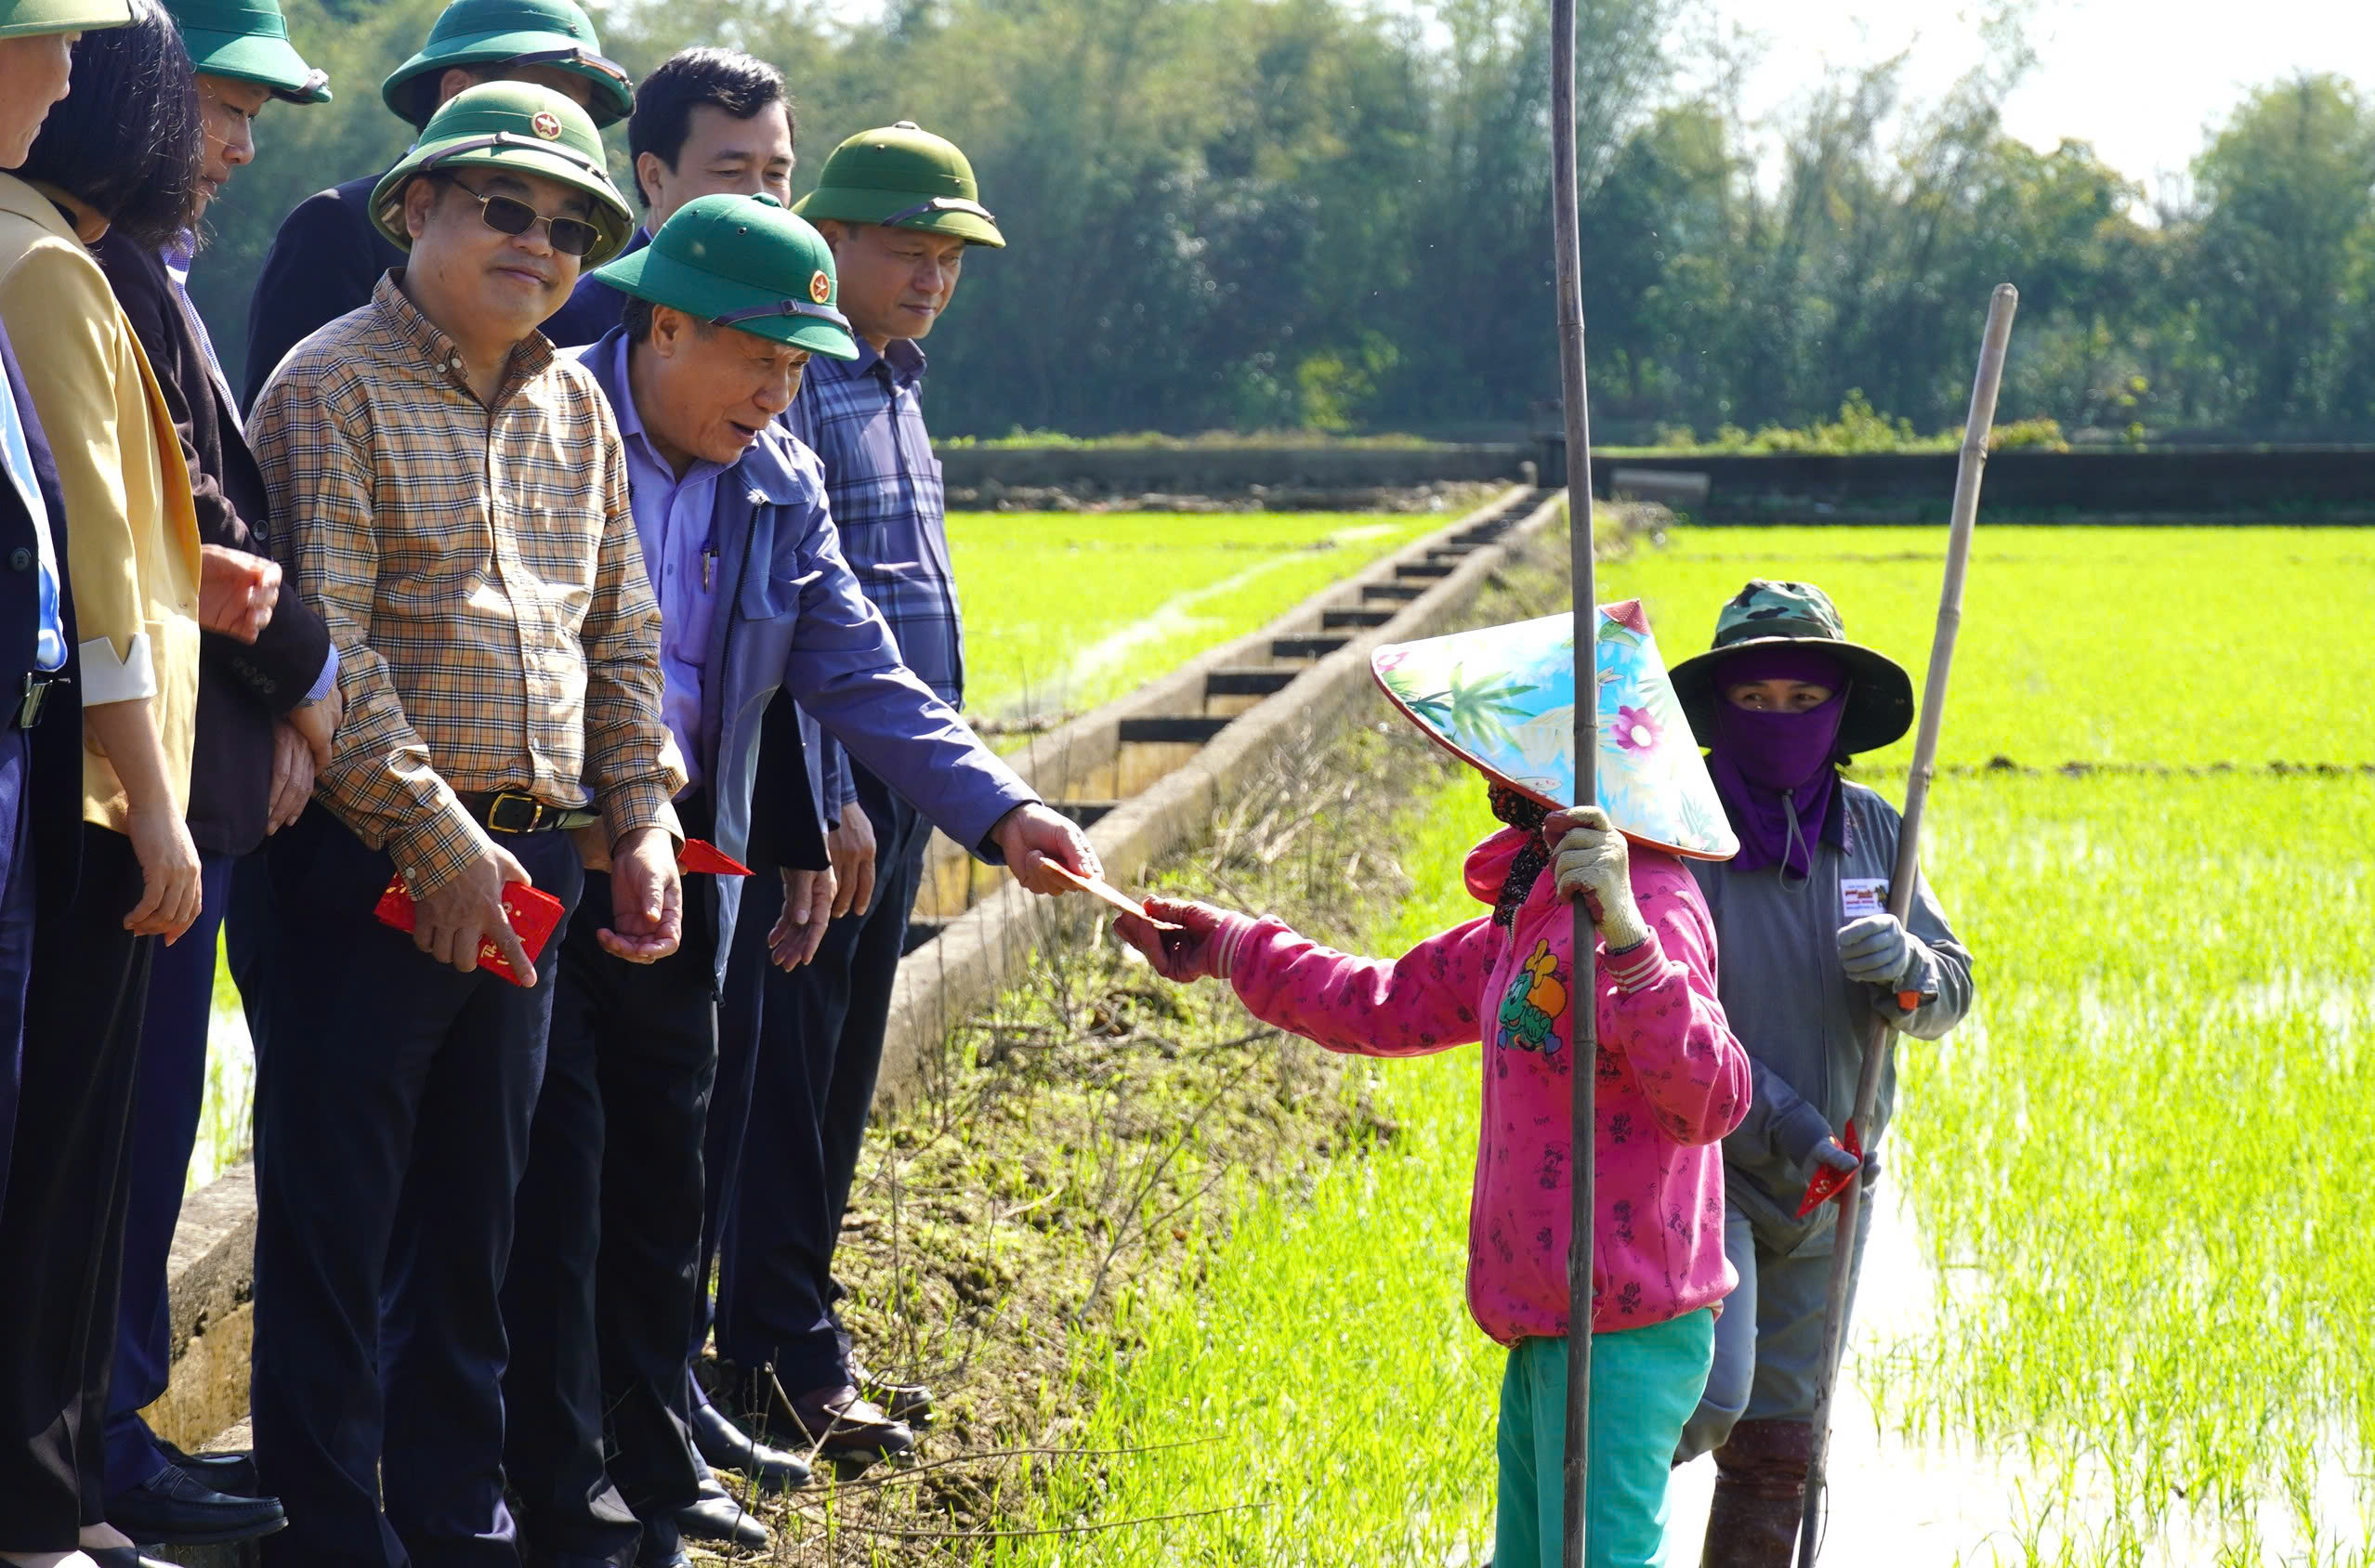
{"x": 902, "y": 176}
{"x": 518, "y": 128}
{"x": 248, "y": 41}
{"x": 30, "y": 19}
{"x": 742, "y": 262}
{"x": 494, "y": 35}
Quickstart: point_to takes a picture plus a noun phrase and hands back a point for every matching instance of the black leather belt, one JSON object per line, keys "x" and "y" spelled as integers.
{"x": 509, "y": 811}
{"x": 34, "y": 698}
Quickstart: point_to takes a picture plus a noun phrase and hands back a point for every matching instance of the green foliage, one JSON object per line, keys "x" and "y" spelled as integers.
{"x": 1066, "y": 611}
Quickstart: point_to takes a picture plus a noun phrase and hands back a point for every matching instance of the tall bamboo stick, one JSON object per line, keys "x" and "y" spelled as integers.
{"x": 1583, "y": 1045}
{"x": 1971, "y": 468}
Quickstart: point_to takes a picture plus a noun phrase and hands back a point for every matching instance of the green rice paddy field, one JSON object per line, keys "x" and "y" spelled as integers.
{"x": 2137, "y": 1177}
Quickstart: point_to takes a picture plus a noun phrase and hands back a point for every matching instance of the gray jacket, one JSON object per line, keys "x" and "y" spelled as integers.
{"x": 1802, "y": 1019}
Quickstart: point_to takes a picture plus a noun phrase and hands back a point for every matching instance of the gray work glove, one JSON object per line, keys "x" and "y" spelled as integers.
{"x": 1876, "y": 950}
{"x": 1588, "y": 860}
{"x": 1806, "y": 1140}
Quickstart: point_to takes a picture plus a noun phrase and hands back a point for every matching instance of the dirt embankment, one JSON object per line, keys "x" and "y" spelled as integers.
{"x": 1095, "y": 1119}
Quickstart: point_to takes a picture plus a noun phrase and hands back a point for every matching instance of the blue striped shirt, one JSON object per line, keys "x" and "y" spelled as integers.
{"x": 864, "y": 419}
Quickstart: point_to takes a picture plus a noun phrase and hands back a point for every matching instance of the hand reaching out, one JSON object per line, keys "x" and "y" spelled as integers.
{"x": 1205, "y": 947}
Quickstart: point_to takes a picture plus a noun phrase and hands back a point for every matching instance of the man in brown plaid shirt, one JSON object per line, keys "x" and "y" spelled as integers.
{"x": 457, "y": 505}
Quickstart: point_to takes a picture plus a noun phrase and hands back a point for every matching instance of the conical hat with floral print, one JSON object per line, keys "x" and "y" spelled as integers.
{"x": 1503, "y": 699}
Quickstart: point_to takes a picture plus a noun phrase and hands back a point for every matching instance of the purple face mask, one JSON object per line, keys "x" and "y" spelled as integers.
{"x": 1774, "y": 769}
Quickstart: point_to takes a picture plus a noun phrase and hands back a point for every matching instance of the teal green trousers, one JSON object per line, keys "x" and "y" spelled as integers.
{"x": 1645, "y": 1384}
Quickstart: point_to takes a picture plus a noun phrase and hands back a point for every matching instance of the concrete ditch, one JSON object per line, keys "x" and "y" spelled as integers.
{"x": 1141, "y": 775}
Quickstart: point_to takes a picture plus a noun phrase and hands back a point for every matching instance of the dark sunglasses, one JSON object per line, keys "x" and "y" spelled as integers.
{"x": 509, "y": 214}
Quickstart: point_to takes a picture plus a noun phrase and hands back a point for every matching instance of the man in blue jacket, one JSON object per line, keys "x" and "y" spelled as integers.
{"x": 755, "y": 596}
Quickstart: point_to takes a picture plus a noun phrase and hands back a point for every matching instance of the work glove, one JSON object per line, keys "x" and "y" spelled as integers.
{"x": 1588, "y": 860}
{"x": 1204, "y": 949}
{"x": 1876, "y": 950}
{"x": 1806, "y": 1138}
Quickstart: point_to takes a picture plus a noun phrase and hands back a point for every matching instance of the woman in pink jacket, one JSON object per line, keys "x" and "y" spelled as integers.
{"x": 1673, "y": 1081}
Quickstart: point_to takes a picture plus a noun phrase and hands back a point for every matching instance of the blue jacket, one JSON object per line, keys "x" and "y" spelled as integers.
{"x": 794, "y": 618}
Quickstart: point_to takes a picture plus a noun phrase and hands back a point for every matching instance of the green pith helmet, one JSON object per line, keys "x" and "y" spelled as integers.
{"x": 520, "y": 128}
{"x": 29, "y": 19}
{"x": 902, "y": 177}
{"x": 496, "y": 34}
{"x": 248, "y": 41}
{"x": 1880, "y": 694}
{"x": 742, "y": 262}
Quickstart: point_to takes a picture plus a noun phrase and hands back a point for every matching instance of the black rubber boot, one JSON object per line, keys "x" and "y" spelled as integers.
{"x": 1759, "y": 1495}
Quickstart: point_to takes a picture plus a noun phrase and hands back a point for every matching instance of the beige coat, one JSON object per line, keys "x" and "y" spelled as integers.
{"x": 131, "y": 534}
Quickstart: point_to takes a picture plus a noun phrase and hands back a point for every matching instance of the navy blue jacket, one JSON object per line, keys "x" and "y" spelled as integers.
{"x": 54, "y": 810}
{"x": 325, "y": 262}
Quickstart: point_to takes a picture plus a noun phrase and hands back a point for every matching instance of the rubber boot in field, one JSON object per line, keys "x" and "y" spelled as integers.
{"x": 1760, "y": 1493}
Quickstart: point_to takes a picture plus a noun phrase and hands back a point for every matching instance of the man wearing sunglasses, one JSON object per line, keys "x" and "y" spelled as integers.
{"x": 454, "y": 502}
{"x": 329, "y": 255}
{"x": 754, "y": 598}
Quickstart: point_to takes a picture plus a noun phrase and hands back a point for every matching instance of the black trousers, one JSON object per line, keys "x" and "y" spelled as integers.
{"x": 817, "y": 1042}
{"x": 392, "y": 1109}
{"x": 602, "y": 1297}
{"x": 167, "y": 1101}
{"x": 62, "y": 1229}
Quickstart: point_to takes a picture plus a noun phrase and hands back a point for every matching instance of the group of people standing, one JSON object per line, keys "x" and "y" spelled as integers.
{"x": 561, "y": 546}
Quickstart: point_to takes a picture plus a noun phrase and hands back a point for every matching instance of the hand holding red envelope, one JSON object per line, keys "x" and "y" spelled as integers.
{"x": 534, "y": 915}
{"x": 1105, "y": 892}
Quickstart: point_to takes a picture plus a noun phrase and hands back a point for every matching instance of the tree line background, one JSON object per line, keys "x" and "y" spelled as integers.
{"x": 1260, "y": 214}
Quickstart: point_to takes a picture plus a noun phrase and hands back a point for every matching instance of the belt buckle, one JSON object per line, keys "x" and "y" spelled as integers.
{"x": 512, "y": 797}
{"x": 36, "y": 696}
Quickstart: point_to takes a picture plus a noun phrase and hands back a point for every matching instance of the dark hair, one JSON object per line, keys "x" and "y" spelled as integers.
{"x": 637, "y": 319}
{"x": 665, "y": 99}
{"x": 126, "y": 138}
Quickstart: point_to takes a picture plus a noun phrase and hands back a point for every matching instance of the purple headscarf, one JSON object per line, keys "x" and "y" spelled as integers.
{"x": 1773, "y": 769}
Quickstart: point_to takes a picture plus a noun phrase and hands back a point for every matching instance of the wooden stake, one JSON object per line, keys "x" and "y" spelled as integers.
{"x": 1583, "y": 1044}
{"x": 1976, "y": 428}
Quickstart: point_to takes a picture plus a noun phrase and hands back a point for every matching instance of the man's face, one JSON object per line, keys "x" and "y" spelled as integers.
{"x": 497, "y": 285}
{"x": 721, "y": 155}
{"x": 894, "y": 283}
{"x": 34, "y": 74}
{"x": 227, "y": 109}
{"x": 578, "y": 89}
{"x": 715, "y": 388}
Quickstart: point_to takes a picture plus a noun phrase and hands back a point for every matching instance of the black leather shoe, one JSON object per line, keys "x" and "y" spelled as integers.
{"x": 722, "y": 1519}
{"x": 728, "y": 1446}
{"x": 232, "y": 1474}
{"x": 662, "y": 1548}
{"x": 909, "y": 1404}
{"x": 174, "y": 1504}
{"x": 832, "y": 1423}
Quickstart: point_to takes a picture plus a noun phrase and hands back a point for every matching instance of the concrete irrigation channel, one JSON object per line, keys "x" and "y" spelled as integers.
{"x": 1144, "y": 775}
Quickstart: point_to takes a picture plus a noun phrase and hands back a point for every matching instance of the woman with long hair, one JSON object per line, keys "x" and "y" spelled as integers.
{"x": 121, "y": 152}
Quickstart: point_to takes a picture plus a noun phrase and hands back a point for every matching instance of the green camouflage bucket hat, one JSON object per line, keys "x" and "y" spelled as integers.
{"x": 1880, "y": 694}
{"x": 510, "y": 34}
{"x": 248, "y": 41}
{"x": 745, "y": 263}
{"x": 30, "y": 19}
{"x": 902, "y": 176}
{"x": 520, "y": 128}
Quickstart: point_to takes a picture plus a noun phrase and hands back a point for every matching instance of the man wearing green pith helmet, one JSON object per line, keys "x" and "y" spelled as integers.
{"x": 900, "y": 208}
{"x": 327, "y": 254}
{"x": 453, "y": 502}
{"x": 730, "y": 303}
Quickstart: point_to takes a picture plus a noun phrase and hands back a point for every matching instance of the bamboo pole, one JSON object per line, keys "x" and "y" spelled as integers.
{"x": 1976, "y": 429}
{"x": 1583, "y": 1045}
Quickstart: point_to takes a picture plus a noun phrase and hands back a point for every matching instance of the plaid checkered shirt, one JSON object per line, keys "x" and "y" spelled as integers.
{"x": 480, "y": 572}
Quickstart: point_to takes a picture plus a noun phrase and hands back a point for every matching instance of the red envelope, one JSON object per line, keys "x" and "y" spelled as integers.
{"x": 699, "y": 857}
{"x": 1829, "y": 1184}
{"x": 533, "y": 915}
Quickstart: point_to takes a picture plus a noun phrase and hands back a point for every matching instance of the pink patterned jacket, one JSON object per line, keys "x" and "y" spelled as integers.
{"x": 1673, "y": 1081}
